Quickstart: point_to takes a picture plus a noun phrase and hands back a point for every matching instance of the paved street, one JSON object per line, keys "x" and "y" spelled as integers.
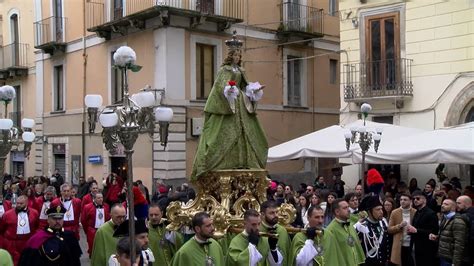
{"x": 83, "y": 242}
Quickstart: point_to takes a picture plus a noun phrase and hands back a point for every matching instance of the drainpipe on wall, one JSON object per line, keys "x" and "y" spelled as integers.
{"x": 84, "y": 88}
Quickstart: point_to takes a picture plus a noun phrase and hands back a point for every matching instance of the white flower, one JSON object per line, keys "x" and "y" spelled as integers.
{"x": 253, "y": 91}
{"x": 365, "y": 108}
{"x": 231, "y": 93}
{"x": 7, "y": 93}
{"x": 124, "y": 56}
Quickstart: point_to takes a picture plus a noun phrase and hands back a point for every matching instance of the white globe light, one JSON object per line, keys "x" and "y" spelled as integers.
{"x": 353, "y": 129}
{"x": 163, "y": 114}
{"x": 365, "y": 108}
{"x": 379, "y": 130}
{"x": 144, "y": 98}
{"x": 347, "y": 135}
{"x": 93, "y": 100}
{"x": 124, "y": 56}
{"x": 108, "y": 119}
{"x": 27, "y": 123}
{"x": 362, "y": 129}
{"x": 6, "y": 123}
{"x": 377, "y": 137}
{"x": 28, "y": 136}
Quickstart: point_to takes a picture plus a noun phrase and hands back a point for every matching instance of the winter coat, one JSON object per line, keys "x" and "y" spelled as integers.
{"x": 453, "y": 239}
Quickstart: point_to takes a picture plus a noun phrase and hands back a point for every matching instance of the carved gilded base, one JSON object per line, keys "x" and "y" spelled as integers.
{"x": 226, "y": 195}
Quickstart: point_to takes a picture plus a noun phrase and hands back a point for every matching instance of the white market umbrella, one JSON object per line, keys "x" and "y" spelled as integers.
{"x": 330, "y": 142}
{"x": 445, "y": 145}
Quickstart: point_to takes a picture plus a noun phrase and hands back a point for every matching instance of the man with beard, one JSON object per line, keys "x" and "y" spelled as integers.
{"x": 399, "y": 219}
{"x": 52, "y": 245}
{"x": 73, "y": 209}
{"x": 141, "y": 236}
{"x": 345, "y": 248}
{"x": 89, "y": 197}
{"x": 104, "y": 241}
{"x": 249, "y": 248}
{"x": 373, "y": 232}
{"x": 163, "y": 243}
{"x": 201, "y": 249}
{"x": 464, "y": 207}
{"x": 17, "y": 226}
{"x": 270, "y": 225}
{"x": 452, "y": 235}
{"x": 307, "y": 248}
{"x": 42, "y": 205}
{"x": 425, "y": 222}
{"x": 94, "y": 216}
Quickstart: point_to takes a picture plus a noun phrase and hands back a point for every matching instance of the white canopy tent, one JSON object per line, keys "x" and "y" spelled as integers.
{"x": 330, "y": 142}
{"x": 445, "y": 145}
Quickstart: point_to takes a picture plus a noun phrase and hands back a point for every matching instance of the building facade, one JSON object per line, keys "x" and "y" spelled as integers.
{"x": 290, "y": 46}
{"x": 413, "y": 61}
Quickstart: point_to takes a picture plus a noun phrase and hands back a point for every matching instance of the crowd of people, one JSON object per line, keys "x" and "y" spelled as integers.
{"x": 381, "y": 222}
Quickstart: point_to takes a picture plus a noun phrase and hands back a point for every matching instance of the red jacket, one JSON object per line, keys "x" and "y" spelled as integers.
{"x": 86, "y": 200}
{"x": 71, "y": 225}
{"x": 88, "y": 222}
{"x": 138, "y": 197}
{"x": 114, "y": 190}
{"x": 14, "y": 243}
{"x": 39, "y": 206}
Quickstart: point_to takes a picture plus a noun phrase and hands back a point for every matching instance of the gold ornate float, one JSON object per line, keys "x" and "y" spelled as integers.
{"x": 226, "y": 195}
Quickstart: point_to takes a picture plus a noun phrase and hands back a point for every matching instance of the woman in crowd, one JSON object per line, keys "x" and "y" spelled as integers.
{"x": 301, "y": 211}
{"x": 413, "y": 185}
{"x": 388, "y": 207}
{"x": 328, "y": 213}
{"x": 290, "y": 195}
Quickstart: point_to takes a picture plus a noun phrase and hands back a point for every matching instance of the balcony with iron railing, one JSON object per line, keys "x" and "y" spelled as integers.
{"x": 105, "y": 20}
{"x": 377, "y": 79}
{"x": 13, "y": 60}
{"x": 300, "y": 21}
{"x": 50, "y": 34}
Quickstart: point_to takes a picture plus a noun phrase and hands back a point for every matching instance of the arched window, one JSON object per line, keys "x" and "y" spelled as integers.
{"x": 470, "y": 116}
{"x": 15, "y": 38}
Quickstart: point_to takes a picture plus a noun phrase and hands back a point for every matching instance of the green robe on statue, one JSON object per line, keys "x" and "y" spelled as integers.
{"x": 104, "y": 244}
{"x": 298, "y": 243}
{"x": 345, "y": 248}
{"x": 162, "y": 249}
{"x": 239, "y": 255}
{"x": 194, "y": 254}
{"x": 232, "y": 136}
{"x": 284, "y": 242}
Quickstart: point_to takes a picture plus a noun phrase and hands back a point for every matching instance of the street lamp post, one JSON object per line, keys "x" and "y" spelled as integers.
{"x": 11, "y": 137}
{"x": 365, "y": 138}
{"x": 122, "y": 123}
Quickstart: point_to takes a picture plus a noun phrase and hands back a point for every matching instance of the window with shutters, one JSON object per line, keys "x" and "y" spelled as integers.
{"x": 295, "y": 80}
{"x": 58, "y": 88}
{"x": 205, "y": 68}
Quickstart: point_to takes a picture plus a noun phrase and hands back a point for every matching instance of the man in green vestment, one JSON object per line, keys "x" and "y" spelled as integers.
{"x": 270, "y": 224}
{"x": 345, "y": 248}
{"x": 104, "y": 241}
{"x": 308, "y": 248}
{"x": 201, "y": 249}
{"x": 163, "y": 243}
{"x": 248, "y": 248}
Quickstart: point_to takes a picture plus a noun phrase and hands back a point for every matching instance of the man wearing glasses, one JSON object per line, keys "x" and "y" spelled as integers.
{"x": 425, "y": 222}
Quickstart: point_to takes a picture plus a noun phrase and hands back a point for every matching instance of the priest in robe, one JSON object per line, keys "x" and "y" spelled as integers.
{"x": 201, "y": 249}
{"x": 345, "y": 248}
{"x": 17, "y": 226}
{"x": 308, "y": 248}
{"x": 141, "y": 236}
{"x": 93, "y": 216}
{"x": 42, "y": 205}
{"x": 5, "y": 205}
{"x": 89, "y": 197}
{"x": 163, "y": 243}
{"x": 73, "y": 209}
{"x": 249, "y": 248}
{"x": 373, "y": 232}
{"x": 104, "y": 241}
{"x": 270, "y": 224}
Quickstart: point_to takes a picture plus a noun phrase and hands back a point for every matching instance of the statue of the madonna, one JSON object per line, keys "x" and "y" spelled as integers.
{"x": 232, "y": 137}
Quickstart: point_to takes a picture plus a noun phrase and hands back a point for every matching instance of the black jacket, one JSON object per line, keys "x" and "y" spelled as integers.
{"x": 426, "y": 222}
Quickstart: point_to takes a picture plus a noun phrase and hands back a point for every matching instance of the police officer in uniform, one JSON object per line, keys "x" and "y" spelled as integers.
{"x": 52, "y": 245}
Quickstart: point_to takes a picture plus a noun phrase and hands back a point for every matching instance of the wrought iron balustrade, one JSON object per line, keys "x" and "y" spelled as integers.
{"x": 384, "y": 78}
{"x": 301, "y": 18}
{"x": 50, "y": 34}
{"x": 14, "y": 56}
